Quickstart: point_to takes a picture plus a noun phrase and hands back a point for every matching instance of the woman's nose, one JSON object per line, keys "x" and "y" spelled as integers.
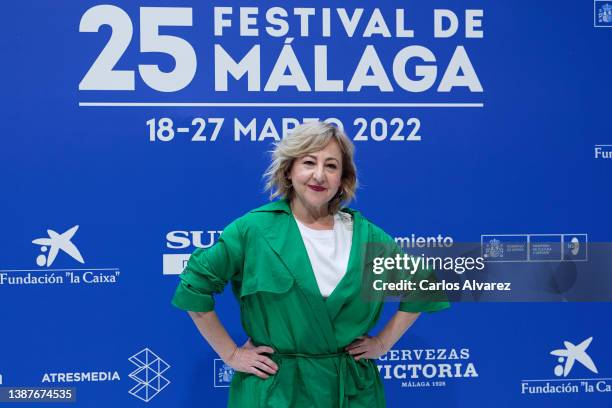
{"x": 319, "y": 174}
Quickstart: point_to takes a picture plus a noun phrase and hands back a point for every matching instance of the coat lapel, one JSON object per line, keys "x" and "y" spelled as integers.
{"x": 282, "y": 234}
{"x": 350, "y": 285}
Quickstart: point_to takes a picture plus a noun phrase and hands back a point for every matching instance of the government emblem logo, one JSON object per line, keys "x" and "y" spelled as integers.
{"x": 603, "y": 13}
{"x": 223, "y": 374}
{"x": 494, "y": 249}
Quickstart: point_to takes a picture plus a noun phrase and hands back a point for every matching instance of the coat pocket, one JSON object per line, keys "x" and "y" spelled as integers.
{"x": 273, "y": 280}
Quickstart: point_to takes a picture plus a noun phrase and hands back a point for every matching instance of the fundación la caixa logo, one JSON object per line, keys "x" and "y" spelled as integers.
{"x": 572, "y": 354}
{"x": 61, "y": 247}
{"x": 571, "y": 359}
{"x": 50, "y": 246}
{"x": 182, "y": 244}
{"x": 603, "y": 151}
{"x": 58, "y": 247}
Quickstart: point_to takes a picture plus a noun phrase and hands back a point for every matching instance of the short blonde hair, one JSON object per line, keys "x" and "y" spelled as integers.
{"x": 305, "y": 139}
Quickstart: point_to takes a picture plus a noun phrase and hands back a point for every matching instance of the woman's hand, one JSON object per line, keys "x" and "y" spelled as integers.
{"x": 366, "y": 347}
{"x": 249, "y": 359}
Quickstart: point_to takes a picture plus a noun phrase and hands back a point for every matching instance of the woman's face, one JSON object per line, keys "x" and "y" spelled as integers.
{"x": 316, "y": 177}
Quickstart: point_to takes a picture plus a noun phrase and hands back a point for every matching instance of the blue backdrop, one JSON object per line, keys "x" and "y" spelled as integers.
{"x": 133, "y": 134}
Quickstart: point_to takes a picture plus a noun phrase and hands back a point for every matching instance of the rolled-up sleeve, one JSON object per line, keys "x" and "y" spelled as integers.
{"x": 208, "y": 271}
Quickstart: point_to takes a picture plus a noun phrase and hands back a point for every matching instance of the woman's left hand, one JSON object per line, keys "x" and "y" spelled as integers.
{"x": 366, "y": 347}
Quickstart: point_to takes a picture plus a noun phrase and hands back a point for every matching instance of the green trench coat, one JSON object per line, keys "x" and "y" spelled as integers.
{"x": 263, "y": 255}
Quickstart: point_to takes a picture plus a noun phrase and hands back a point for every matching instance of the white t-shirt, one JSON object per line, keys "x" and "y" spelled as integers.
{"x": 328, "y": 251}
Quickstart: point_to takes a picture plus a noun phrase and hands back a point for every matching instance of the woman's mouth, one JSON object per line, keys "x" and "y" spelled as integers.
{"x": 316, "y": 188}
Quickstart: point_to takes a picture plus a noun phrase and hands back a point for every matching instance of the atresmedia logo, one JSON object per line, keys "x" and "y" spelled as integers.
{"x": 148, "y": 375}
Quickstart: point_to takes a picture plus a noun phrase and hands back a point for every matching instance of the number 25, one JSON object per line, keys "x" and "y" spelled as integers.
{"x": 102, "y": 77}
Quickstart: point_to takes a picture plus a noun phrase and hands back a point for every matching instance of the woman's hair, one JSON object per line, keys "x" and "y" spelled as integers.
{"x": 305, "y": 139}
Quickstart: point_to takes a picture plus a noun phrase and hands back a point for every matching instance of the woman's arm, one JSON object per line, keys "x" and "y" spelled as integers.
{"x": 395, "y": 328}
{"x": 247, "y": 359}
{"x": 374, "y": 347}
{"x": 212, "y": 330}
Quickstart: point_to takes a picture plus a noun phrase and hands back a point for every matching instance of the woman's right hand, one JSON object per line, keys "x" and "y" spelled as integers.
{"x": 250, "y": 359}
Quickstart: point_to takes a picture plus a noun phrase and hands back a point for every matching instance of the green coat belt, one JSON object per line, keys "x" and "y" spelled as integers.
{"x": 264, "y": 257}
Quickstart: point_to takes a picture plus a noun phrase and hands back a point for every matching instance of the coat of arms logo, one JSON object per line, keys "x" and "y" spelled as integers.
{"x": 494, "y": 249}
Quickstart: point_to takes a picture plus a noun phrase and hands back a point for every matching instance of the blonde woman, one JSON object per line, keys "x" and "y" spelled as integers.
{"x": 295, "y": 266}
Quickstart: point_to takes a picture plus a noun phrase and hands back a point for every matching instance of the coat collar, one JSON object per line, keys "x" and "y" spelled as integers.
{"x": 282, "y": 234}
{"x": 282, "y": 205}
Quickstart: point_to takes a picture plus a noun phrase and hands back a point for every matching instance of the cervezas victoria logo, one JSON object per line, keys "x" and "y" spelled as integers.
{"x": 571, "y": 359}
{"x": 426, "y": 367}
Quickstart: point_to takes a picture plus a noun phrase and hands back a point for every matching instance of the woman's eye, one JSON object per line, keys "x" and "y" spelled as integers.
{"x": 309, "y": 162}
{"x": 332, "y": 166}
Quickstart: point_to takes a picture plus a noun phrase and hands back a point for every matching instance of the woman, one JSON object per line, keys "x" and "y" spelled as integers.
{"x": 296, "y": 266}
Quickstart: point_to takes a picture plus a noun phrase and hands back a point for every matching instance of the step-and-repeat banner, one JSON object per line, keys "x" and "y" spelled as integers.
{"x": 132, "y": 133}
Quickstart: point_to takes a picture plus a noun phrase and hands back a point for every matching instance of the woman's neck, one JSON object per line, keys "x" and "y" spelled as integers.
{"x": 316, "y": 218}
